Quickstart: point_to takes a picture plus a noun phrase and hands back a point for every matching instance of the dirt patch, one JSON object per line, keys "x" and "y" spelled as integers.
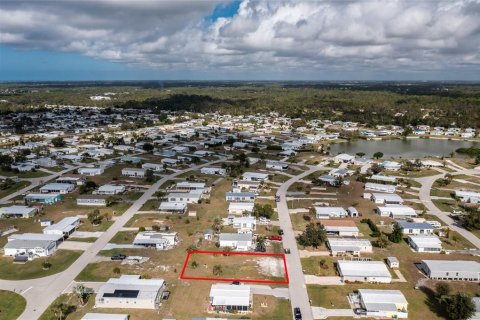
{"x": 271, "y": 267}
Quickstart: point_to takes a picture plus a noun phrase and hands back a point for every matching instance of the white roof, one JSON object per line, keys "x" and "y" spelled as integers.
{"x": 64, "y": 225}
{"x": 248, "y": 206}
{"x": 363, "y": 268}
{"x": 235, "y": 237}
{"x": 16, "y": 210}
{"x": 105, "y": 316}
{"x": 173, "y": 205}
{"x": 330, "y": 210}
{"x": 387, "y": 197}
{"x": 57, "y": 186}
{"x": 398, "y": 210}
{"x": 453, "y": 265}
{"x": 382, "y": 300}
{"x": 230, "y": 295}
{"x": 383, "y": 178}
{"x": 147, "y": 288}
{"x": 426, "y": 241}
{"x": 110, "y": 188}
{"x": 337, "y": 244}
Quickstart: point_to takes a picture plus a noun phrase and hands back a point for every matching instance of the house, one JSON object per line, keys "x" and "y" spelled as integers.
{"x": 342, "y": 228}
{"x": 46, "y": 162}
{"x": 131, "y": 159}
{"x": 17, "y": 212}
{"x": 330, "y": 212}
{"x": 457, "y": 270}
{"x": 173, "y": 207}
{"x": 152, "y": 166}
{"x": 169, "y": 161}
{"x": 32, "y": 245}
{"x": 384, "y": 179}
{"x": 240, "y": 196}
{"x": 105, "y": 316}
{"x": 383, "y": 304}
{"x": 415, "y": 228}
{"x": 244, "y": 224}
{"x": 468, "y": 196}
{"x": 239, "y": 208}
{"x": 387, "y": 188}
{"x": 353, "y": 246}
{"x": 237, "y": 241}
{"x": 184, "y": 186}
{"x": 159, "y": 240}
{"x": 188, "y": 197}
{"x": 343, "y": 158}
{"x": 110, "y": 189}
{"x": 92, "y": 200}
{"x": 243, "y": 185}
{"x": 23, "y": 167}
{"x": 276, "y": 165}
{"x": 386, "y": 199}
{"x": 393, "y": 262}
{"x": 422, "y": 243}
{"x": 62, "y": 188}
{"x": 391, "y": 165}
{"x": 43, "y": 198}
{"x": 396, "y": 212}
{"x": 75, "y": 180}
{"x": 133, "y": 172}
{"x": 331, "y": 180}
{"x": 229, "y": 298}
{"x": 64, "y": 227}
{"x": 363, "y": 271}
{"x": 214, "y": 171}
{"x": 255, "y": 176}
{"x": 130, "y": 292}
{"x": 352, "y": 212}
{"x": 91, "y": 171}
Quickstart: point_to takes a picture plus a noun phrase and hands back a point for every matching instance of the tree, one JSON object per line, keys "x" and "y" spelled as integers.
{"x": 397, "y": 235}
{"x": 147, "y": 147}
{"x": 88, "y": 187}
{"x": 60, "y": 310}
{"x": 477, "y": 159}
{"x": 442, "y": 289}
{"x": 110, "y": 200}
{"x": 95, "y": 217}
{"x": 382, "y": 241}
{"x": 378, "y": 155}
{"x": 265, "y": 211}
{"x": 6, "y": 161}
{"x": 217, "y": 270}
{"x": 194, "y": 264}
{"x": 217, "y": 225}
{"x": 58, "y": 142}
{"x": 149, "y": 177}
{"x": 471, "y": 220}
{"x": 407, "y": 131}
{"x": 314, "y": 235}
{"x": 376, "y": 168}
{"x": 360, "y": 154}
{"x": 82, "y": 293}
{"x": 459, "y": 307}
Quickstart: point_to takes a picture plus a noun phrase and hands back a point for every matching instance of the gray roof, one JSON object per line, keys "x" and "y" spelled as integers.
{"x": 235, "y": 237}
{"x": 414, "y": 225}
{"x": 453, "y": 265}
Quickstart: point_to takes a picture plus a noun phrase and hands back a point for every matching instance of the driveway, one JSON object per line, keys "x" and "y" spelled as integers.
{"x": 323, "y": 313}
{"x": 326, "y": 281}
{"x": 74, "y": 245}
{"x": 269, "y": 291}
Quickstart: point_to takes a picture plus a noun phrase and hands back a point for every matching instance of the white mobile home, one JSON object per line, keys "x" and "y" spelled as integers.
{"x": 387, "y": 188}
{"x": 396, "y": 212}
{"x": 389, "y": 304}
{"x": 414, "y": 228}
{"x": 64, "y": 227}
{"x": 240, "y": 196}
{"x": 188, "y": 197}
{"x": 363, "y": 271}
{"x": 330, "y": 212}
{"x": 422, "y": 243}
{"x": 173, "y": 207}
{"x": 342, "y": 228}
{"x": 230, "y": 298}
{"x": 214, "y": 170}
{"x": 353, "y": 246}
{"x": 387, "y": 199}
{"x": 158, "y": 240}
{"x": 61, "y": 188}
{"x": 92, "y": 200}
{"x": 17, "y": 212}
{"x": 237, "y": 241}
{"x": 133, "y": 172}
{"x": 91, "y": 171}
{"x": 239, "y": 208}
{"x": 457, "y": 270}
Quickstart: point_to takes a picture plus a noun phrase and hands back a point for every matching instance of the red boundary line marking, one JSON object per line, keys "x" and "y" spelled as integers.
{"x": 183, "y": 277}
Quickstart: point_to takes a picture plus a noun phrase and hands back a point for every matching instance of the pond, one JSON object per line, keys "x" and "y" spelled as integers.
{"x": 404, "y": 148}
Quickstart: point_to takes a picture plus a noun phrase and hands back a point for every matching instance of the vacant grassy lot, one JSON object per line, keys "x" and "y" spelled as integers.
{"x": 60, "y": 261}
{"x": 11, "y": 305}
{"x": 235, "y": 267}
{"x": 17, "y": 186}
{"x": 311, "y": 265}
{"x": 28, "y": 174}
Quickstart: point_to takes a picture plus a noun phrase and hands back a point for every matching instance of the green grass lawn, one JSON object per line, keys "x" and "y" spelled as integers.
{"x": 123, "y": 237}
{"x": 11, "y": 305}
{"x": 90, "y": 273}
{"x": 17, "y": 186}
{"x": 444, "y": 205}
{"x": 60, "y": 261}
{"x": 90, "y": 240}
{"x": 311, "y": 265}
{"x": 28, "y": 174}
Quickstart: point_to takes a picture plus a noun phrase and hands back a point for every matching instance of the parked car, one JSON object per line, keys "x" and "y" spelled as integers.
{"x": 237, "y": 283}
{"x": 298, "y": 313}
{"x": 260, "y": 249}
{"x": 286, "y": 251}
{"x": 275, "y": 238}
{"x": 360, "y": 311}
{"x": 277, "y": 198}
{"x": 118, "y": 256}
{"x": 280, "y": 232}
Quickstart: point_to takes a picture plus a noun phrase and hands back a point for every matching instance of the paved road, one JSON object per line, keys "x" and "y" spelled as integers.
{"x": 298, "y": 289}
{"x": 41, "y": 292}
{"x": 426, "y": 199}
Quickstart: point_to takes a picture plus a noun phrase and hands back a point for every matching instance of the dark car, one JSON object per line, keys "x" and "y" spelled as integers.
{"x": 237, "y": 283}
{"x": 260, "y": 249}
{"x": 298, "y": 313}
{"x": 277, "y": 199}
{"x": 280, "y": 232}
{"x": 360, "y": 311}
{"x": 118, "y": 256}
{"x": 286, "y": 251}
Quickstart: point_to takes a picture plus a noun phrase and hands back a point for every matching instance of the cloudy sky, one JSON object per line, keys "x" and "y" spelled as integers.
{"x": 247, "y": 39}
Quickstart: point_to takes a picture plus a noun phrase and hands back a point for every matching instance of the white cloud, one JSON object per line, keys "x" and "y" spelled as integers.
{"x": 261, "y": 36}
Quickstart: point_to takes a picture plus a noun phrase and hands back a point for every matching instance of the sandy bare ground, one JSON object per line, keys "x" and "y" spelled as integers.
{"x": 271, "y": 267}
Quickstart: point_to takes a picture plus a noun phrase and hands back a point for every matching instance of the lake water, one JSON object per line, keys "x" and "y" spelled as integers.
{"x": 404, "y": 148}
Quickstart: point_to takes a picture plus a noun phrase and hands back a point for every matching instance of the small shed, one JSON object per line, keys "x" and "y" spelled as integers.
{"x": 208, "y": 234}
{"x": 393, "y": 262}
